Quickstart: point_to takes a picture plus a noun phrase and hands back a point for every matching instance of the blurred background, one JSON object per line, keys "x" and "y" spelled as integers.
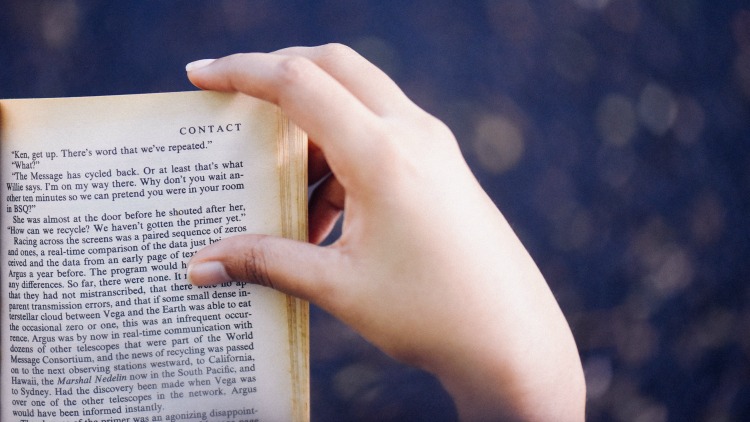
{"x": 613, "y": 134}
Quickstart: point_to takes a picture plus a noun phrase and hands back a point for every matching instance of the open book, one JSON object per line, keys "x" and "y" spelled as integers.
{"x": 104, "y": 199}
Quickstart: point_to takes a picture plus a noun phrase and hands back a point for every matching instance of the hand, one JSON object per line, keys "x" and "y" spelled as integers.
{"x": 426, "y": 267}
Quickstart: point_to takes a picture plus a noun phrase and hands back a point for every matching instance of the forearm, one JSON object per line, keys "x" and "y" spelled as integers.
{"x": 522, "y": 364}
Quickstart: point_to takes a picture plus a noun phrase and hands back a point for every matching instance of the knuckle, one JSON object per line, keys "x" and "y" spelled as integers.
{"x": 294, "y": 70}
{"x": 234, "y": 70}
{"x": 333, "y": 55}
{"x": 255, "y": 267}
{"x": 437, "y": 128}
{"x": 336, "y": 50}
{"x": 384, "y": 135}
{"x": 236, "y": 57}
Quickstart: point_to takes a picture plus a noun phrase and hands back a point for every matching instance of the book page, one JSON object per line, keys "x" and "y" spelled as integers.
{"x": 104, "y": 200}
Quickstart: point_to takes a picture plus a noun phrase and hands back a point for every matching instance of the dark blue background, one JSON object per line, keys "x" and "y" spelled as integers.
{"x": 614, "y": 135}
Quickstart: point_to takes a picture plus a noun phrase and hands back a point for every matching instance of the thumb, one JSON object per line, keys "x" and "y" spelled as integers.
{"x": 289, "y": 266}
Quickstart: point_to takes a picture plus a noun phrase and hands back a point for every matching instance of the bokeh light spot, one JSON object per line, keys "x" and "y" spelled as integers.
{"x": 355, "y": 380}
{"x": 59, "y": 23}
{"x": 592, "y": 4}
{"x": 657, "y": 108}
{"x": 598, "y": 373}
{"x": 498, "y": 143}
{"x": 671, "y": 272}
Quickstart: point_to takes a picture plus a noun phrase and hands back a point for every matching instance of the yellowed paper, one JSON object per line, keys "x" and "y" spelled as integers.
{"x": 104, "y": 201}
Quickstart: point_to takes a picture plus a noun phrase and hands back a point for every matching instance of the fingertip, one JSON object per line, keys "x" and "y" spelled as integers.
{"x": 198, "y": 64}
{"x": 194, "y": 73}
{"x": 292, "y": 267}
{"x": 207, "y": 273}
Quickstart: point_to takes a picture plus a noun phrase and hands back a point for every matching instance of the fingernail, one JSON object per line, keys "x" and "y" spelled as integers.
{"x": 207, "y": 273}
{"x": 198, "y": 64}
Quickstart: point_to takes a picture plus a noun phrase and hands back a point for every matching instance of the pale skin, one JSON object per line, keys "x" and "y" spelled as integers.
{"x": 426, "y": 267}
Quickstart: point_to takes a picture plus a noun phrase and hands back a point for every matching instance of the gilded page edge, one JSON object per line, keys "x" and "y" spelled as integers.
{"x": 293, "y": 199}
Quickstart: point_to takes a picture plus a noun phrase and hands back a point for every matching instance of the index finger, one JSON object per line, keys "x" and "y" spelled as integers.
{"x": 343, "y": 127}
{"x": 363, "y": 79}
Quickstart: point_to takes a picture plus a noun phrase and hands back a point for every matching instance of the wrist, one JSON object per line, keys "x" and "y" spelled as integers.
{"x": 522, "y": 366}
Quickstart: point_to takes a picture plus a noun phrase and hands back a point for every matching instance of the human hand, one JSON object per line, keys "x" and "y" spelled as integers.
{"x": 426, "y": 267}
